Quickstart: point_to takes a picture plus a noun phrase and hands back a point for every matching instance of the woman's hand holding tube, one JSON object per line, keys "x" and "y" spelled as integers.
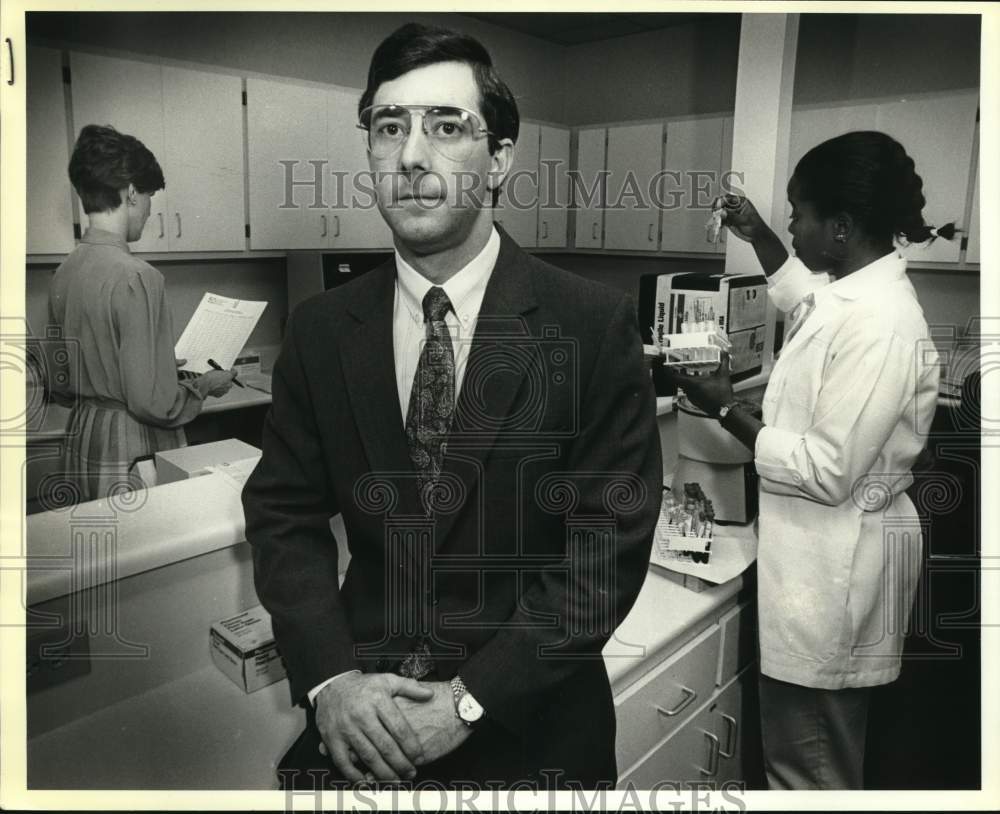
{"x": 744, "y": 221}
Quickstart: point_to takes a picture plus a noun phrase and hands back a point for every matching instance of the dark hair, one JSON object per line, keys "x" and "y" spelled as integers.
{"x": 869, "y": 176}
{"x": 105, "y": 161}
{"x": 413, "y": 46}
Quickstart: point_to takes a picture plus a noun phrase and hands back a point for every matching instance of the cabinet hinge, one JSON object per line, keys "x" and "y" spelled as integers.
{"x": 244, "y": 95}
{"x": 247, "y": 227}
{"x": 964, "y": 244}
{"x": 67, "y": 77}
{"x": 76, "y": 231}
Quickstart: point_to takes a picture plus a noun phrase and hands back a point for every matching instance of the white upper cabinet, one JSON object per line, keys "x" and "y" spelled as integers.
{"x": 553, "y": 186}
{"x": 972, "y": 249}
{"x": 691, "y": 182}
{"x": 937, "y": 133}
{"x": 635, "y": 159}
{"x": 588, "y": 189}
{"x": 355, "y": 221}
{"x": 128, "y": 95}
{"x": 288, "y": 201}
{"x": 49, "y": 214}
{"x": 203, "y": 160}
{"x": 192, "y": 122}
{"x": 517, "y": 208}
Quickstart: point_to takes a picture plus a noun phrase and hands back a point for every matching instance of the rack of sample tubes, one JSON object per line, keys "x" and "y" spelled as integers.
{"x": 697, "y": 348}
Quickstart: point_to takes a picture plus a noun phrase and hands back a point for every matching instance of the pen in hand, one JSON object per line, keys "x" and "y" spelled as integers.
{"x": 216, "y": 366}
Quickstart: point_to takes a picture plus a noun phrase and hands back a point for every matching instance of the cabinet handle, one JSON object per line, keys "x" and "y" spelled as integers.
{"x": 10, "y": 53}
{"x": 336, "y": 221}
{"x": 178, "y": 216}
{"x": 649, "y": 234}
{"x": 689, "y": 696}
{"x": 323, "y": 218}
{"x": 162, "y": 232}
{"x": 593, "y": 230}
{"x": 713, "y": 755}
{"x": 545, "y": 229}
{"x": 732, "y": 727}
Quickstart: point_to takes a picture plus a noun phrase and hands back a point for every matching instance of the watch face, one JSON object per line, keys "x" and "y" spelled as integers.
{"x": 469, "y": 709}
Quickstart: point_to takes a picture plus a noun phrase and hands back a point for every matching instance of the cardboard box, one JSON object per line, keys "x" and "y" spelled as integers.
{"x": 187, "y": 462}
{"x": 243, "y": 648}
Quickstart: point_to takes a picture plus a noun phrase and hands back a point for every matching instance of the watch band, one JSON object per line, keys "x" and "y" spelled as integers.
{"x": 726, "y": 409}
{"x": 467, "y": 709}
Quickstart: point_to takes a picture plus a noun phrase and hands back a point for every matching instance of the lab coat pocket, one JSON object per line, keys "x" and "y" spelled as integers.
{"x": 803, "y": 567}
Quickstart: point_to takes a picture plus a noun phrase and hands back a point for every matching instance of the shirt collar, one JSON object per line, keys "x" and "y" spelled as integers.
{"x": 103, "y": 237}
{"x": 869, "y": 280}
{"x": 465, "y": 288}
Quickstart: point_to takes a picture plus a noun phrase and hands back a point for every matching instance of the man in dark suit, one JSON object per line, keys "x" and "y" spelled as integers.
{"x": 485, "y": 424}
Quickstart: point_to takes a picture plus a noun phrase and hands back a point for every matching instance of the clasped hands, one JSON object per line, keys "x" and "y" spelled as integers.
{"x": 380, "y": 726}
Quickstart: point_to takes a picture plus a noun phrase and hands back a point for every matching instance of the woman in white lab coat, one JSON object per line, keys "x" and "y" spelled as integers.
{"x": 845, "y": 415}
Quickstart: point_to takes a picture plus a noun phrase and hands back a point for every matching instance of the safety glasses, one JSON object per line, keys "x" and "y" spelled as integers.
{"x": 451, "y": 131}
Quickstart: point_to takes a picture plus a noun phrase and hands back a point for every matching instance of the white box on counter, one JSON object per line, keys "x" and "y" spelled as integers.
{"x": 187, "y": 462}
{"x": 243, "y": 647}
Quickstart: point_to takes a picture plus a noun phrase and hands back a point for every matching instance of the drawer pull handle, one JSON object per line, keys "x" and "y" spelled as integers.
{"x": 689, "y": 696}
{"x": 323, "y": 218}
{"x": 713, "y": 755}
{"x": 593, "y": 231}
{"x": 545, "y": 230}
{"x": 732, "y": 727}
{"x": 160, "y": 216}
{"x": 649, "y": 234}
{"x": 178, "y": 216}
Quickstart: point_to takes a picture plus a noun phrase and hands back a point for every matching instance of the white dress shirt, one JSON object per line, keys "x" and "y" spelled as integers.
{"x": 846, "y": 413}
{"x": 465, "y": 289}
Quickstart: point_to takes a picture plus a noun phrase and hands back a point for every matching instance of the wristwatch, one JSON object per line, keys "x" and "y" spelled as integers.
{"x": 725, "y": 409}
{"x": 467, "y": 708}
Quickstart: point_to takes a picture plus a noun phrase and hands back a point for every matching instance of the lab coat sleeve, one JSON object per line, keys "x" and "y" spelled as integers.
{"x": 867, "y": 384}
{"x": 147, "y": 367}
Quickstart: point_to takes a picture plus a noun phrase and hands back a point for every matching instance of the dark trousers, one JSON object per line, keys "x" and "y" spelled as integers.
{"x": 813, "y": 738}
{"x": 490, "y": 758}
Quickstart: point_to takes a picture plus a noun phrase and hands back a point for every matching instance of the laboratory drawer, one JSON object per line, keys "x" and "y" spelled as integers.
{"x": 739, "y": 641}
{"x": 657, "y": 704}
{"x": 708, "y": 749}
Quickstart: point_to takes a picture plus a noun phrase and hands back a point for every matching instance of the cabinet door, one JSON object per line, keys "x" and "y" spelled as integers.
{"x": 517, "y": 209}
{"x": 288, "y": 122}
{"x": 937, "y": 134}
{"x": 49, "y": 215}
{"x": 635, "y": 157}
{"x": 128, "y": 95}
{"x": 203, "y": 160}
{"x": 972, "y": 250}
{"x": 691, "y": 183}
{"x": 813, "y": 126}
{"x": 355, "y": 221}
{"x": 588, "y": 188}
{"x": 553, "y": 186}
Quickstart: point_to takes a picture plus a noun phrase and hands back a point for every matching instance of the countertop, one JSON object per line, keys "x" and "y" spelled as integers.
{"x": 49, "y": 423}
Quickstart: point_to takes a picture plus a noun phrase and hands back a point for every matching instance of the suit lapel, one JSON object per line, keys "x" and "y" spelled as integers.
{"x": 370, "y": 377}
{"x": 491, "y": 381}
